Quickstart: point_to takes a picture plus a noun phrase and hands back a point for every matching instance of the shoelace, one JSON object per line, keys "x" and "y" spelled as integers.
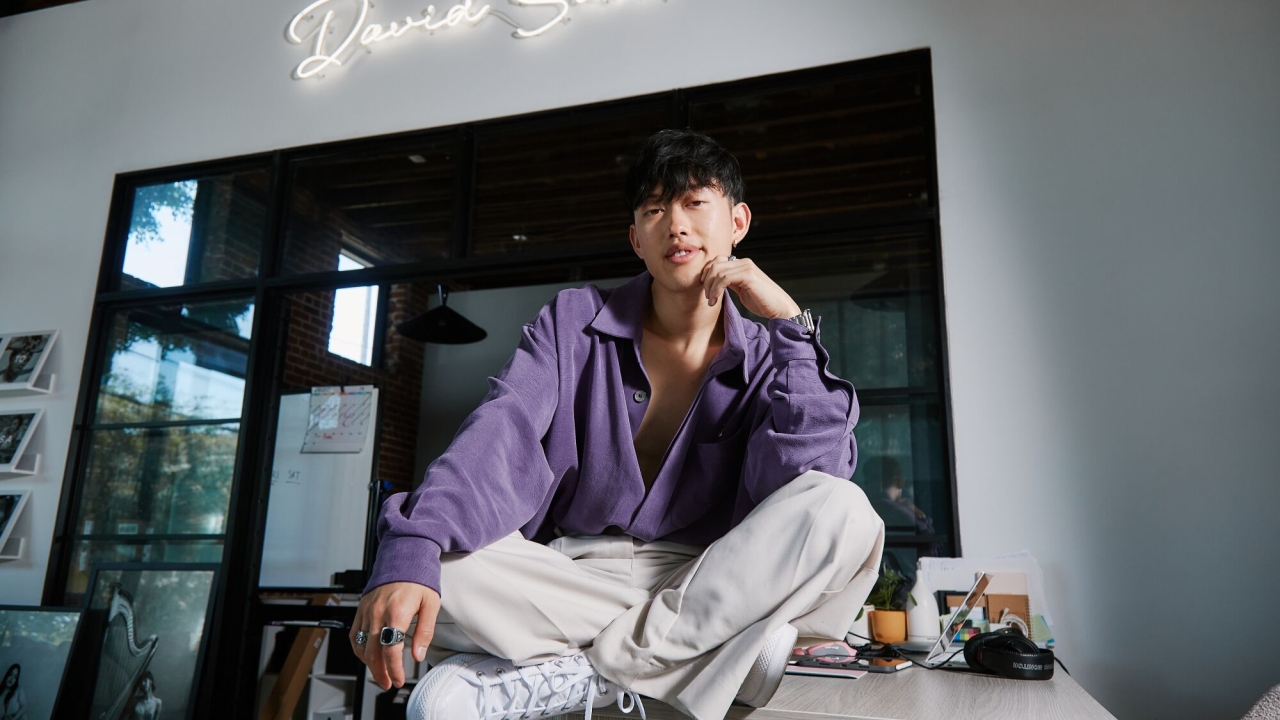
{"x": 570, "y": 690}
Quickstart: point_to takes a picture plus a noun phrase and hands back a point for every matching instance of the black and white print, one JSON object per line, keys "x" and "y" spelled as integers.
{"x": 11, "y": 504}
{"x": 22, "y": 355}
{"x": 154, "y": 619}
{"x": 35, "y": 644}
{"x": 16, "y": 427}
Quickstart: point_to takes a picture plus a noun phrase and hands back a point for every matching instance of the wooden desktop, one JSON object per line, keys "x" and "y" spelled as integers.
{"x": 912, "y": 694}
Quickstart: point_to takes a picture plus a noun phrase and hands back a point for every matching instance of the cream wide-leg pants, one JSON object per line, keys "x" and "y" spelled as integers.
{"x": 679, "y": 623}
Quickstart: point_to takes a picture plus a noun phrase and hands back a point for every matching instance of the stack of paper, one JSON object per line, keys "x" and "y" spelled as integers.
{"x": 960, "y": 573}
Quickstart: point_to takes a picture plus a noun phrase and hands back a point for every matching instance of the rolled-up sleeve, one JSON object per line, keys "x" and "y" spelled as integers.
{"x": 806, "y": 415}
{"x": 490, "y": 481}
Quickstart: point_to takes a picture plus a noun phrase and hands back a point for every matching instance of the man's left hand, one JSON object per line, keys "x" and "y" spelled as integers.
{"x": 757, "y": 291}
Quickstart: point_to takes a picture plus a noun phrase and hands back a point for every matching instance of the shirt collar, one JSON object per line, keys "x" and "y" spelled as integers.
{"x": 623, "y": 316}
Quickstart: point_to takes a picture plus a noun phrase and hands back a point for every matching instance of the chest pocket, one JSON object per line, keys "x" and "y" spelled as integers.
{"x": 709, "y": 478}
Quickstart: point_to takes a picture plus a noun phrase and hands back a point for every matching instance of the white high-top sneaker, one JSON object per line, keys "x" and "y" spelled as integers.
{"x": 483, "y": 687}
{"x": 766, "y": 674}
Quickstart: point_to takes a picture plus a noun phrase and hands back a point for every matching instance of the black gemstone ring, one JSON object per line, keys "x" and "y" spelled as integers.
{"x": 391, "y": 636}
{"x": 362, "y": 638}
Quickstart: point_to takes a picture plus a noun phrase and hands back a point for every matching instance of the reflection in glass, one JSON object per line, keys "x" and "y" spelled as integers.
{"x": 307, "y": 363}
{"x": 162, "y": 481}
{"x": 883, "y": 434}
{"x": 176, "y": 362}
{"x": 880, "y": 332}
{"x": 885, "y": 468}
{"x": 559, "y": 188}
{"x": 902, "y": 557}
{"x": 160, "y": 234}
{"x": 389, "y": 208}
{"x": 195, "y": 231}
{"x": 901, "y": 470}
{"x": 826, "y": 154}
{"x": 873, "y": 342}
{"x": 87, "y": 553}
{"x": 355, "y": 317}
{"x": 892, "y": 504}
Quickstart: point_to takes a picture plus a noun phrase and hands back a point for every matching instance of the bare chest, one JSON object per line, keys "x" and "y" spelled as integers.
{"x": 674, "y": 381}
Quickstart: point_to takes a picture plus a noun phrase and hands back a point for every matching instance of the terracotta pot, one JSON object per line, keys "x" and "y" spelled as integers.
{"x": 889, "y": 626}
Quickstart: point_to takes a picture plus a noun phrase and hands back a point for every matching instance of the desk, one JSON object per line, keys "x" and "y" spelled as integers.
{"x": 912, "y": 694}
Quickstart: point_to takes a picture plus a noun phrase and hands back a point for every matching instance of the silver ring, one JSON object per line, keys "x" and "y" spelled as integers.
{"x": 391, "y": 636}
{"x": 732, "y": 258}
{"x": 362, "y": 638}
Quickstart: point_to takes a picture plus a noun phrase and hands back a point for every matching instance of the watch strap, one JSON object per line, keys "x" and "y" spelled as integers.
{"x": 804, "y": 319}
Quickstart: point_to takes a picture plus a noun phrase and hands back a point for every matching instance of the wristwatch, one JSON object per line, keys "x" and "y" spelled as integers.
{"x": 804, "y": 319}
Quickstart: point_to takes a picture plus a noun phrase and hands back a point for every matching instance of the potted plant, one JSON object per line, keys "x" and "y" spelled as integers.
{"x": 889, "y": 597}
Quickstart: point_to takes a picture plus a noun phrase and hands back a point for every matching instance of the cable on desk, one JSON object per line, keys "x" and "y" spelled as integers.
{"x": 940, "y": 665}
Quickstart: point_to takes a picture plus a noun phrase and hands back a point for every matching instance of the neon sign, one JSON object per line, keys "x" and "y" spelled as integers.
{"x": 325, "y": 53}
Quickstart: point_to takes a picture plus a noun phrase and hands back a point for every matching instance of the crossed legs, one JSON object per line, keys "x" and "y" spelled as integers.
{"x": 678, "y": 623}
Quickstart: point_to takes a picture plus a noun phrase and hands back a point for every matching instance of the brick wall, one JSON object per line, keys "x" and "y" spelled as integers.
{"x": 314, "y": 246}
{"x": 230, "y": 216}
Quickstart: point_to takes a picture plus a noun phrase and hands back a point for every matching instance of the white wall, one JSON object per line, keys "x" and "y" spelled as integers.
{"x": 455, "y": 377}
{"x": 1108, "y": 179}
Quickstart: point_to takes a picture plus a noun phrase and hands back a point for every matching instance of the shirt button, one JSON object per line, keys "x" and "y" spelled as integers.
{"x": 641, "y": 396}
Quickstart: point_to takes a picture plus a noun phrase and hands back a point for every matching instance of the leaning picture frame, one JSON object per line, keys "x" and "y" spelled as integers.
{"x": 36, "y": 644}
{"x": 22, "y": 359}
{"x": 16, "y": 429}
{"x": 11, "y": 504}
{"x": 147, "y": 628}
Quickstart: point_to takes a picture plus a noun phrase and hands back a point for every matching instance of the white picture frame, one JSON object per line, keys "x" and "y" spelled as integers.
{"x": 16, "y": 429}
{"x": 11, "y": 504}
{"x": 22, "y": 361}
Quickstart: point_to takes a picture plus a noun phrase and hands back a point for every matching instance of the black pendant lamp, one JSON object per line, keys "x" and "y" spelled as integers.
{"x": 442, "y": 325}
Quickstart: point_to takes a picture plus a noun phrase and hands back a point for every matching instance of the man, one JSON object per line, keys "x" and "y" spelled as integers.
{"x": 653, "y": 497}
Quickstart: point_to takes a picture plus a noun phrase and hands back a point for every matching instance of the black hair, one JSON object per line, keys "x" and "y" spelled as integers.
{"x": 142, "y": 680}
{"x": 10, "y": 691}
{"x": 679, "y": 161}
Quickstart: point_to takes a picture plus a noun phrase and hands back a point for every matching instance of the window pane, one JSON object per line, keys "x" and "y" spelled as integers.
{"x": 882, "y": 342}
{"x": 354, "y": 318}
{"x": 900, "y": 468}
{"x": 87, "y": 553}
{"x": 387, "y": 208}
{"x": 878, "y": 325}
{"x": 826, "y": 154}
{"x": 307, "y": 363}
{"x": 176, "y": 362}
{"x": 196, "y": 231}
{"x": 159, "y": 481}
{"x": 559, "y": 188}
{"x": 873, "y": 341}
{"x": 905, "y": 558}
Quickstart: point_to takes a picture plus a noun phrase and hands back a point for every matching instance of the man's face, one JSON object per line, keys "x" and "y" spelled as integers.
{"x": 678, "y": 238}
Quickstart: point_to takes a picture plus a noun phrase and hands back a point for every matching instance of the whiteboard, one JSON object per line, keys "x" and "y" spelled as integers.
{"x": 318, "y": 506}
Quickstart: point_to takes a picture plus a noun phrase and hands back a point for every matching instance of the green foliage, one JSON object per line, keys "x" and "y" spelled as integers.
{"x": 179, "y": 198}
{"x": 889, "y": 591}
{"x": 52, "y": 628}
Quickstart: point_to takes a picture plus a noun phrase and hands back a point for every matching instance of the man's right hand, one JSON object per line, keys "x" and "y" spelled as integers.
{"x": 394, "y": 605}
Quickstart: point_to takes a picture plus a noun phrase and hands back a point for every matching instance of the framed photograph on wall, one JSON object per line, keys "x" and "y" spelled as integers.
{"x": 11, "y": 504}
{"x": 35, "y": 645}
{"x": 22, "y": 358}
{"x": 16, "y": 429}
{"x": 150, "y": 626}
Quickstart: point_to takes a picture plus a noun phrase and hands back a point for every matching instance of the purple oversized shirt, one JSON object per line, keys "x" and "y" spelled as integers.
{"x": 552, "y": 445}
